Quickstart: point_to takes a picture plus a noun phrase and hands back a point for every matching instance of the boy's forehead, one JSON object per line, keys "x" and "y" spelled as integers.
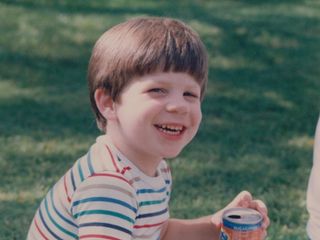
{"x": 168, "y": 77}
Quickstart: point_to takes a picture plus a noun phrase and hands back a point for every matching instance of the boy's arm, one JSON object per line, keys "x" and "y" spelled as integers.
{"x": 200, "y": 229}
{"x": 209, "y": 227}
{"x": 104, "y": 207}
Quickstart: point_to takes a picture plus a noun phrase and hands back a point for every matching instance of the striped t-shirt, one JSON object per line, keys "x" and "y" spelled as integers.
{"x": 104, "y": 196}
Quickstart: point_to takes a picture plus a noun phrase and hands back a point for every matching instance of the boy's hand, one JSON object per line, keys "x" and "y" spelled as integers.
{"x": 244, "y": 199}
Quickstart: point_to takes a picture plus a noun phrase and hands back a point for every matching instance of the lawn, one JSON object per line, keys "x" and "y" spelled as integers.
{"x": 260, "y": 111}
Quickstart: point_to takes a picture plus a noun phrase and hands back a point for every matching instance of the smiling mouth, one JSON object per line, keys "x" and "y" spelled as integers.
{"x": 173, "y": 130}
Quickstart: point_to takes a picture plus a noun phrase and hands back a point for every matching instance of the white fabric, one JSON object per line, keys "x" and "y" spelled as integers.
{"x": 313, "y": 194}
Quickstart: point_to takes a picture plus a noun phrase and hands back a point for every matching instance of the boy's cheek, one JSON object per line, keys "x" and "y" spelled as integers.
{"x": 199, "y": 119}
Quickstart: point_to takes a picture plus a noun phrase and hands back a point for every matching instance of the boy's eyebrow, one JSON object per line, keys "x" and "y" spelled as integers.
{"x": 193, "y": 87}
{"x": 194, "y": 84}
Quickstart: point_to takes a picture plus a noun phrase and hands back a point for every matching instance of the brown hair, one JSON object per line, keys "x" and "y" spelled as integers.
{"x": 141, "y": 46}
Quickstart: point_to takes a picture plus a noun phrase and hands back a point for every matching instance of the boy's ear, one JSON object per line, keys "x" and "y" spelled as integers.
{"x": 105, "y": 104}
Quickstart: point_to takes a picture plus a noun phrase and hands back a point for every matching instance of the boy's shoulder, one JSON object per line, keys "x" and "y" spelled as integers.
{"x": 91, "y": 170}
{"x": 104, "y": 161}
{"x": 102, "y": 173}
{"x": 99, "y": 160}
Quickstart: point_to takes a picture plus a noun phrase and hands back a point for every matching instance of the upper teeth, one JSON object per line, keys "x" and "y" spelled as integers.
{"x": 175, "y": 128}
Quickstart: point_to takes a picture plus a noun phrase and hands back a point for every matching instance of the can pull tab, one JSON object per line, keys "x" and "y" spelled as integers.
{"x": 235, "y": 216}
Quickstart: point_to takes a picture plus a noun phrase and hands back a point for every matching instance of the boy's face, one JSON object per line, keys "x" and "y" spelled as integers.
{"x": 156, "y": 116}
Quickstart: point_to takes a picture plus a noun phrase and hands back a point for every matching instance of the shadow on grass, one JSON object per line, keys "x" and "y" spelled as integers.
{"x": 43, "y": 120}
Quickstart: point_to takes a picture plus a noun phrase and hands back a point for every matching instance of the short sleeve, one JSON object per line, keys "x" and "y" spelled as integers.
{"x": 104, "y": 206}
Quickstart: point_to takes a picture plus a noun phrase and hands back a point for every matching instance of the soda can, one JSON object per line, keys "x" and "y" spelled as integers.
{"x": 241, "y": 224}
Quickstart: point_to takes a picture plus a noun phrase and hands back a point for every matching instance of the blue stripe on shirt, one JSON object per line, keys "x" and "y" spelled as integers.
{"x": 46, "y": 226}
{"x": 104, "y": 212}
{"x": 56, "y": 224}
{"x": 58, "y": 213}
{"x": 80, "y": 170}
{"x": 105, "y": 199}
{"x": 72, "y": 180}
{"x": 152, "y": 214}
{"x": 107, "y": 225}
{"x": 90, "y": 162}
{"x": 146, "y": 190}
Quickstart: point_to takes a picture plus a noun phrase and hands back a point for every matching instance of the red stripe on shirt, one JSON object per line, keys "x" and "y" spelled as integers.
{"x": 110, "y": 175}
{"x": 66, "y": 189}
{"x": 113, "y": 161}
{"x": 41, "y": 233}
{"x": 125, "y": 169}
{"x": 148, "y": 225}
{"x": 94, "y": 236}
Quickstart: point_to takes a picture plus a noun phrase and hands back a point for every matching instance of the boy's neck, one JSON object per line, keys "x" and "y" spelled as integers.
{"x": 147, "y": 164}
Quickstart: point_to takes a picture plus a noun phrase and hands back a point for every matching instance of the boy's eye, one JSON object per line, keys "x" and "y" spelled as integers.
{"x": 190, "y": 94}
{"x": 157, "y": 90}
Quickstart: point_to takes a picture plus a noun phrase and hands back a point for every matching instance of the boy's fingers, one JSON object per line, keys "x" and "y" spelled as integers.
{"x": 247, "y": 196}
{"x": 264, "y": 234}
{"x": 261, "y": 207}
{"x": 244, "y": 199}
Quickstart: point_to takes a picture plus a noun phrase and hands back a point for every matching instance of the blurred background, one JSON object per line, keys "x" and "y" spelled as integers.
{"x": 260, "y": 111}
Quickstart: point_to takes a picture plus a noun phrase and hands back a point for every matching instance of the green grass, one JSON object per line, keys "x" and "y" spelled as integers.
{"x": 259, "y": 113}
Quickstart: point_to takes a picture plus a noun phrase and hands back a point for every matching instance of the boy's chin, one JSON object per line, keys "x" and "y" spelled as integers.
{"x": 171, "y": 155}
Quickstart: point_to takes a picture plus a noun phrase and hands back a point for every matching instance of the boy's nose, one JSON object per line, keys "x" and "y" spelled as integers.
{"x": 177, "y": 106}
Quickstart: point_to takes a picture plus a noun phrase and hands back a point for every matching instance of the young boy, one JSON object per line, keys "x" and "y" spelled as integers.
{"x": 147, "y": 78}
